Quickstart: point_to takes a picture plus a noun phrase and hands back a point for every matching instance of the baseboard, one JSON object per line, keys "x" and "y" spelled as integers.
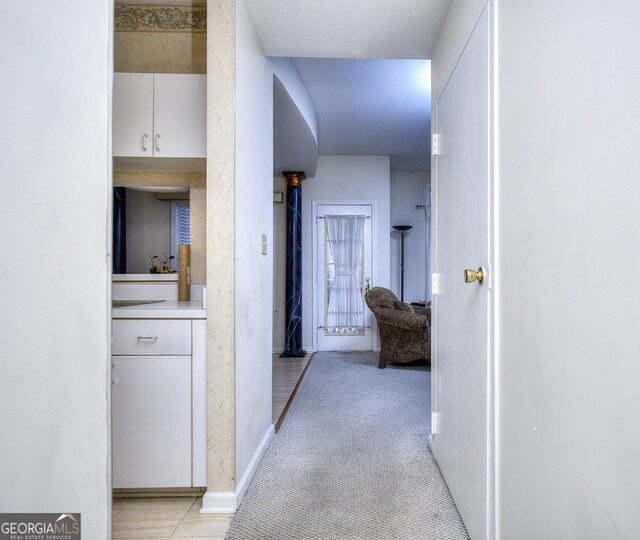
{"x": 277, "y": 350}
{"x": 219, "y": 502}
{"x": 227, "y": 502}
{"x": 430, "y": 443}
{"x": 243, "y": 485}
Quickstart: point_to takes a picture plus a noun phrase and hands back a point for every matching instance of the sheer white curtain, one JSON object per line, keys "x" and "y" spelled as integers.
{"x": 345, "y": 235}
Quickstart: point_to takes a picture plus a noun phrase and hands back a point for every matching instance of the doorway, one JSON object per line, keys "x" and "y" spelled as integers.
{"x": 341, "y": 321}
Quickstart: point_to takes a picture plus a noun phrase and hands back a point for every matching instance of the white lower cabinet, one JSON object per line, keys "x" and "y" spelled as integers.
{"x": 151, "y": 411}
{"x": 158, "y": 401}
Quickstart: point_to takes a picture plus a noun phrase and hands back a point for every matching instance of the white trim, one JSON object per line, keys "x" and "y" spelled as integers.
{"x": 227, "y": 502}
{"x": 493, "y": 511}
{"x": 199, "y": 402}
{"x": 219, "y": 502}
{"x": 243, "y": 485}
{"x": 144, "y": 277}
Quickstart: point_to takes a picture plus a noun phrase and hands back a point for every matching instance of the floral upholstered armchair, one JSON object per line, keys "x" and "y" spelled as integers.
{"x": 405, "y": 331}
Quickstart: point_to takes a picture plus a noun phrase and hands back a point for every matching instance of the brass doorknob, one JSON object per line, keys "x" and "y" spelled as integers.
{"x": 471, "y": 275}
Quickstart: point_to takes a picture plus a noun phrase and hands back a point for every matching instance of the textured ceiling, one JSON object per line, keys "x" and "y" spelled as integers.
{"x": 371, "y": 107}
{"x": 365, "y": 102}
{"x": 348, "y": 28}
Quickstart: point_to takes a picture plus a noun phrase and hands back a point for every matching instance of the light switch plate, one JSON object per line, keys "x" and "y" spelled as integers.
{"x": 263, "y": 245}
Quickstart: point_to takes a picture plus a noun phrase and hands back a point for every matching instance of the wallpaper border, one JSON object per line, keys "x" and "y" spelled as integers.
{"x": 160, "y": 19}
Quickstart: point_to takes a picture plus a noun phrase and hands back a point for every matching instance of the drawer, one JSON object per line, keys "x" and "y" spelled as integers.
{"x": 151, "y": 336}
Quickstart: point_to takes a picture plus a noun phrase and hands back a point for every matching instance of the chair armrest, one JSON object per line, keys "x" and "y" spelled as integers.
{"x": 426, "y": 311}
{"x": 420, "y": 310}
{"x": 402, "y": 319}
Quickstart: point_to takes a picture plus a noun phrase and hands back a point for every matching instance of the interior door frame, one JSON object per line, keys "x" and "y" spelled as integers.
{"x": 491, "y": 522}
{"x": 315, "y": 257}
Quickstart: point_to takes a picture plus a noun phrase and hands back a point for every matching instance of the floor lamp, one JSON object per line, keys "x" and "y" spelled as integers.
{"x": 402, "y": 229}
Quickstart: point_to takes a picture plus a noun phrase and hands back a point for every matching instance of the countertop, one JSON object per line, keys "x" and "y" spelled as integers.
{"x": 167, "y": 309}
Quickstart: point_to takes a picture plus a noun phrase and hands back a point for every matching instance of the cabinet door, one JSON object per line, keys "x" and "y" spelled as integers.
{"x": 180, "y": 115}
{"x": 133, "y": 114}
{"x": 151, "y": 421}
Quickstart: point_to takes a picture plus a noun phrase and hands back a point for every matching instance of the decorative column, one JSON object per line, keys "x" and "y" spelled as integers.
{"x": 293, "y": 307}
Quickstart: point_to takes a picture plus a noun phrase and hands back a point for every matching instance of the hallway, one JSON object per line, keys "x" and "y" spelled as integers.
{"x": 351, "y": 460}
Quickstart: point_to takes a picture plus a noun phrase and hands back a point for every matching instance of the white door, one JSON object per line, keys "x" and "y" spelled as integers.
{"x": 462, "y": 359}
{"x": 328, "y": 336}
{"x": 180, "y": 115}
{"x": 133, "y": 114}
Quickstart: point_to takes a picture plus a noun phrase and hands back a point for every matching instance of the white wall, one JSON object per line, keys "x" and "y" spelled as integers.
{"x": 455, "y": 32}
{"x": 55, "y": 159}
{"x": 286, "y": 72}
{"x": 345, "y": 178}
{"x": 567, "y": 225}
{"x": 148, "y": 229}
{"x": 253, "y": 217}
{"x": 280, "y": 266}
{"x": 407, "y": 190}
{"x": 568, "y": 247}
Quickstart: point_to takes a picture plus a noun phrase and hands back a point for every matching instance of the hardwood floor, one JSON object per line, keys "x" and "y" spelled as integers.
{"x": 287, "y": 375}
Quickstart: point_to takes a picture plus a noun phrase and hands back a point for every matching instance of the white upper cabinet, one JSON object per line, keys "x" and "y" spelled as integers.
{"x": 133, "y": 114}
{"x": 159, "y": 115}
{"x": 180, "y": 115}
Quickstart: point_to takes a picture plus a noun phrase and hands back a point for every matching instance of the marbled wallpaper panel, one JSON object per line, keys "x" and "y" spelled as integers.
{"x": 221, "y": 55}
{"x": 160, "y": 52}
{"x": 198, "y": 206}
{"x": 160, "y": 39}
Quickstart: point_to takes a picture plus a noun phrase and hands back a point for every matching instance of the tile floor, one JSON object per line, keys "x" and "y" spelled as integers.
{"x": 164, "y": 518}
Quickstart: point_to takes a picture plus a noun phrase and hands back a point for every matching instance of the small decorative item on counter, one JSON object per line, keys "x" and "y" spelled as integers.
{"x": 161, "y": 266}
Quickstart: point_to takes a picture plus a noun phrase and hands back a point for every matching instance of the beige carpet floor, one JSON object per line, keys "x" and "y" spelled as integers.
{"x": 351, "y": 461}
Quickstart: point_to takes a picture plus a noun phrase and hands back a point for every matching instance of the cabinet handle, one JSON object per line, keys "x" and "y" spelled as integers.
{"x": 148, "y": 338}
{"x": 157, "y": 143}
{"x": 144, "y": 142}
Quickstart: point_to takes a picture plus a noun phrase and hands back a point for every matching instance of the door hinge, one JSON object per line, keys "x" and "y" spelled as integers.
{"x": 435, "y": 423}
{"x": 436, "y": 283}
{"x": 436, "y": 144}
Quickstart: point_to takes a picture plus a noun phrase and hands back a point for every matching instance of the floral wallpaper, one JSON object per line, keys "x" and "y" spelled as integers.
{"x": 163, "y": 19}
{"x": 154, "y": 39}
